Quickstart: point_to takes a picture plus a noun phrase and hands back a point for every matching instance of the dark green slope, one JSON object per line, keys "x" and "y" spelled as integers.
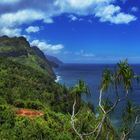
{"x": 24, "y": 87}
{"x": 26, "y": 75}
{"x": 27, "y": 82}
{"x": 42, "y": 55}
{"x": 23, "y": 83}
{"x": 53, "y": 61}
{"x": 18, "y": 49}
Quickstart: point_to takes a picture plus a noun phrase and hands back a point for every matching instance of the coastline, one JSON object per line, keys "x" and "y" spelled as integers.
{"x": 58, "y": 78}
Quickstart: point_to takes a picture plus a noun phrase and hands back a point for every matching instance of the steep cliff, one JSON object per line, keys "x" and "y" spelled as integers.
{"x": 18, "y": 49}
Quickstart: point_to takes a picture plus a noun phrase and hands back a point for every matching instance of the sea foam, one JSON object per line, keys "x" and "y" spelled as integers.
{"x": 58, "y": 78}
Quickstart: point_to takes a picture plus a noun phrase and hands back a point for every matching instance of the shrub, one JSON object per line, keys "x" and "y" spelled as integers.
{"x": 7, "y": 115}
{"x": 34, "y": 105}
{"x": 19, "y": 104}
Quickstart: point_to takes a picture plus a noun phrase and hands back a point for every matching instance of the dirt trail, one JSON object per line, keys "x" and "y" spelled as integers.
{"x": 29, "y": 113}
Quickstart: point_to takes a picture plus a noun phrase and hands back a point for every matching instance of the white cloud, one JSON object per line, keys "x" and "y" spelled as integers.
{"x": 48, "y": 20}
{"x": 79, "y": 4}
{"x": 49, "y": 48}
{"x": 104, "y": 9}
{"x": 113, "y": 14}
{"x": 73, "y": 18}
{"x": 11, "y": 32}
{"x": 84, "y": 54}
{"x": 10, "y": 22}
{"x": 122, "y": 18}
{"x": 26, "y": 12}
{"x": 8, "y": 1}
{"x": 21, "y": 17}
{"x": 134, "y": 9}
{"x": 32, "y": 29}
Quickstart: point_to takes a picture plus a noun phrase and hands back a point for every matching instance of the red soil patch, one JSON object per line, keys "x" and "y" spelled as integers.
{"x": 29, "y": 113}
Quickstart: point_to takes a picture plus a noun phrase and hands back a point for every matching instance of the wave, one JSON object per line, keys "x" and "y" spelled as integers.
{"x": 58, "y": 78}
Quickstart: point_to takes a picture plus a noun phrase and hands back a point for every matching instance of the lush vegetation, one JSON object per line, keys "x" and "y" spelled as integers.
{"x": 65, "y": 115}
{"x": 23, "y": 85}
{"x": 18, "y": 49}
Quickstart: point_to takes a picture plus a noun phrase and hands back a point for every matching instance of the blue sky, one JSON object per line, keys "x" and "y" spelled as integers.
{"x": 90, "y": 31}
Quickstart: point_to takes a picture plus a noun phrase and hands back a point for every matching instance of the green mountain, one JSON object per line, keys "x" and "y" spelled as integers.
{"x": 18, "y": 49}
{"x": 55, "y": 62}
{"x": 33, "y": 106}
{"x": 27, "y": 82}
{"x": 24, "y": 87}
{"x": 42, "y": 55}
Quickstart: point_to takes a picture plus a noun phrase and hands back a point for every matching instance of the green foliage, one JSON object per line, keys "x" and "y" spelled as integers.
{"x": 51, "y": 126}
{"x": 107, "y": 80}
{"x": 107, "y": 104}
{"x": 7, "y": 115}
{"x": 34, "y": 105}
{"x": 129, "y": 112}
{"x": 19, "y": 103}
{"x": 80, "y": 88}
{"x": 125, "y": 74}
{"x": 27, "y": 81}
{"x": 18, "y": 49}
{"x": 24, "y": 87}
{"x": 28, "y": 104}
{"x": 19, "y": 82}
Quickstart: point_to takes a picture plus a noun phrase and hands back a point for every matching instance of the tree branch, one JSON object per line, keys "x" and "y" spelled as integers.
{"x": 100, "y": 102}
{"x": 107, "y": 136}
{"x": 73, "y": 121}
{"x": 107, "y": 112}
{"x": 84, "y": 134}
{"x": 100, "y": 127}
{"x": 137, "y": 122}
{"x": 90, "y": 133}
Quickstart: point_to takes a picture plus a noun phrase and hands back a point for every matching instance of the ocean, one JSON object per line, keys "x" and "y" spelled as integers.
{"x": 69, "y": 74}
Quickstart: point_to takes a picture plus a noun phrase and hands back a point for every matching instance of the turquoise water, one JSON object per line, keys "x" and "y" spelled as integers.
{"x": 69, "y": 74}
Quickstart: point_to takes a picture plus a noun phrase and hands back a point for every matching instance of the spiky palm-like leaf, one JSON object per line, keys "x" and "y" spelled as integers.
{"x": 107, "y": 80}
{"x": 125, "y": 75}
{"x": 81, "y": 88}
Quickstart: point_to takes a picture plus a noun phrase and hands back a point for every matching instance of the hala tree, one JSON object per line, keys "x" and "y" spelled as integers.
{"x": 77, "y": 91}
{"x": 122, "y": 78}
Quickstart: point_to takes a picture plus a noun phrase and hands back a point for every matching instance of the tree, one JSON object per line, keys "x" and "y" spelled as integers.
{"x": 80, "y": 88}
{"x": 123, "y": 77}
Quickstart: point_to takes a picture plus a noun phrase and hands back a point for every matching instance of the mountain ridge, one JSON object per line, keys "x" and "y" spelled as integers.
{"x": 55, "y": 62}
{"x": 44, "y": 57}
{"x": 19, "y": 50}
